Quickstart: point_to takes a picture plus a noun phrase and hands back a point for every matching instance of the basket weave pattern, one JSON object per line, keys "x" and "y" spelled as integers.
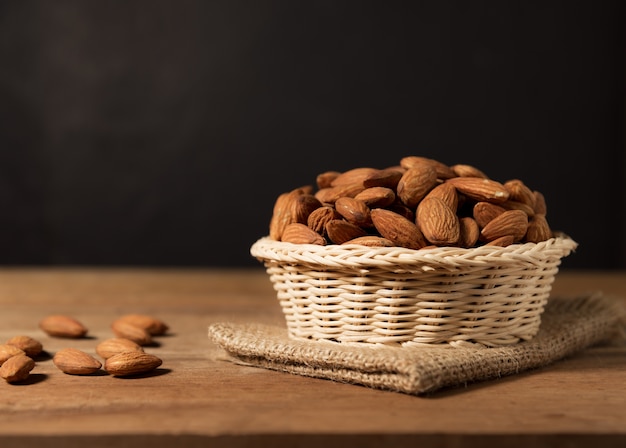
{"x": 491, "y": 296}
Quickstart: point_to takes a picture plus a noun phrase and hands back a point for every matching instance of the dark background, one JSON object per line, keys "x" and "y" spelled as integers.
{"x": 159, "y": 133}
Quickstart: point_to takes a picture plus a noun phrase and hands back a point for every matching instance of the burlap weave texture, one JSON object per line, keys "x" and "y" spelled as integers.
{"x": 569, "y": 325}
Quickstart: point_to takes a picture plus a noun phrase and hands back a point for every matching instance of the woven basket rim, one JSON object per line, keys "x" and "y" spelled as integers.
{"x": 356, "y": 256}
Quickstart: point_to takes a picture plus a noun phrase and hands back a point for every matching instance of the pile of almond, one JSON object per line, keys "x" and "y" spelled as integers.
{"x": 123, "y": 355}
{"x": 420, "y": 203}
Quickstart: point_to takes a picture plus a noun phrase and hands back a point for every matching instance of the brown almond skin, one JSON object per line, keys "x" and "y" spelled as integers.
{"x": 502, "y": 241}
{"x": 151, "y": 324}
{"x": 131, "y": 363}
{"x": 7, "y": 351}
{"x": 353, "y": 176}
{"x": 469, "y": 232}
{"x": 123, "y": 329}
{"x": 387, "y": 178}
{"x": 319, "y": 218}
{"x": 511, "y": 222}
{"x": 438, "y": 222}
{"x": 463, "y": 170}
{"x": 62, "y": 326}
{"x": 540, "y": 203}
{"x": 397, "y": 229}
{"x": 114, "y": 346}
{"x": 302, "y": 206}
{"x": 443, "y": 171}
{"x": 447, "y": 193}
{"x": 339, "y": 231}
{"x": 483, "y": 212}
{"x": 519, "y": 192}
{"x": 282, "y": 214}
{"x": 480, "y": 189}
{"x": 371, "y": 241}
{"x": 30, "y": 346}
{"x": 354, "y": 211}
{"x": 375, "y": 197}
{"x": 415, "y": 184}
{"x": 538, "y": 229}
{"x": 17, "y": 368}
{"x": 325, "y": 179}
{"x": 297, "y": 233}
{"x": 76, "y": 362}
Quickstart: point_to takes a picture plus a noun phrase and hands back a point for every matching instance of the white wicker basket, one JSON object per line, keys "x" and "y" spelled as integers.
{"x": 352, "y": 294}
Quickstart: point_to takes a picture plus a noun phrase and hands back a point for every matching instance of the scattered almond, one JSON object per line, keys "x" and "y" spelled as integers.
{"x": 76, "y": 362}
{"x": 131, "y": 363}
{"x": 123, "y": 329}
{"x": 7, "y": 351}
{"x": 63, "y": 326}
{"x": 17, "y": 368}
{"x": 114, "y": 346}
{"x": 30, "y": 346}
{"x": 152, "y": 325}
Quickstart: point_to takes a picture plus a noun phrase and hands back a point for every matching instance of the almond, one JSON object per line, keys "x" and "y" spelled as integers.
{"x": 7, "y": 351}
{"x": 75, "y": 362}
{"x": 331, "y": 194}
{"x": 302, "y": 206}
{"x": 415, "y": 184}
{"x": 469, "y": 232}
{"x": 397, "y": 229}
{"x": 502, "y": 241}
{"x": 131, "y": 363}
{"x": 511, "y": 222}
{"x": 353, "y": 176}
{"x": 113, "y": 346}
{"x": 519, "y": 192}
{"x": 17, "y": 368}
{"x": 30, "y": 346}
{"x": 540, "y": 203}
{"x": 371, "y": 241}
{"x": 152, "y": 325}
{"x": 282, "y": 214}
{"x": 438, "y": 222}
{"x": 325, "y": 179}
{"x": 443, "y": 171}
{"x": 377, "y": 197}
{"x": 463, "y": 170}
{"x": 63, "y": 326}
{"x": 297, "y": 233}
{"x": 480, "y": 189}
{"x": 517, "y": 205}
{"x": 484, "y": 212}
{"x": 538, "y": 229}
{"x": 123, "y": 329}
{"x": 388, "y": 178}
{"x": 339, "y": 231}
{"x": 354, "y": 211}
{"x": 447, "y": 193}
{"x": 320, "y": 217}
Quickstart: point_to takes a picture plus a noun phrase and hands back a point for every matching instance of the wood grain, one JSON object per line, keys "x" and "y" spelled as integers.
{"x": 197, "y": 397}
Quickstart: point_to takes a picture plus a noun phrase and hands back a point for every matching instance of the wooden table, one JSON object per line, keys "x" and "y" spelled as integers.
{"x": 198, "y": 399}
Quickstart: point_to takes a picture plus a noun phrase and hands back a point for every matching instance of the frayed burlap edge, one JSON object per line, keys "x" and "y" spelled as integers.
{"x": 568, "y": 325}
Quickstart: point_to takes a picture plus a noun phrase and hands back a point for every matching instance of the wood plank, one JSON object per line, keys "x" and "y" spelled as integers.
{"x": 198, "y": 394}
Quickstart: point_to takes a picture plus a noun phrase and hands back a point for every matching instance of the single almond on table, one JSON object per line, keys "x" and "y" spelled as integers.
{"x": 297, "y": 233}
{"x": 76, "y": 362}
{"x": 17, "y": 368}
{"x": 114, "y": 346}
{"x": 131, "y": 363}
{"x": 438, "y": 222}
{"x": 62, "y": 326}
{"x": 397, "y": 229}
{"x": 7, "y": 351}
{"x": 511, "y": 222}
{"x": 152, "y": 325}
{"x": 32, "y": 347}
{"x": 123, "y": 329}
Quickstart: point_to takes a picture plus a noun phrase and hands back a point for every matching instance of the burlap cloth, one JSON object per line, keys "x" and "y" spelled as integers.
{"x": 569, "y": 325}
